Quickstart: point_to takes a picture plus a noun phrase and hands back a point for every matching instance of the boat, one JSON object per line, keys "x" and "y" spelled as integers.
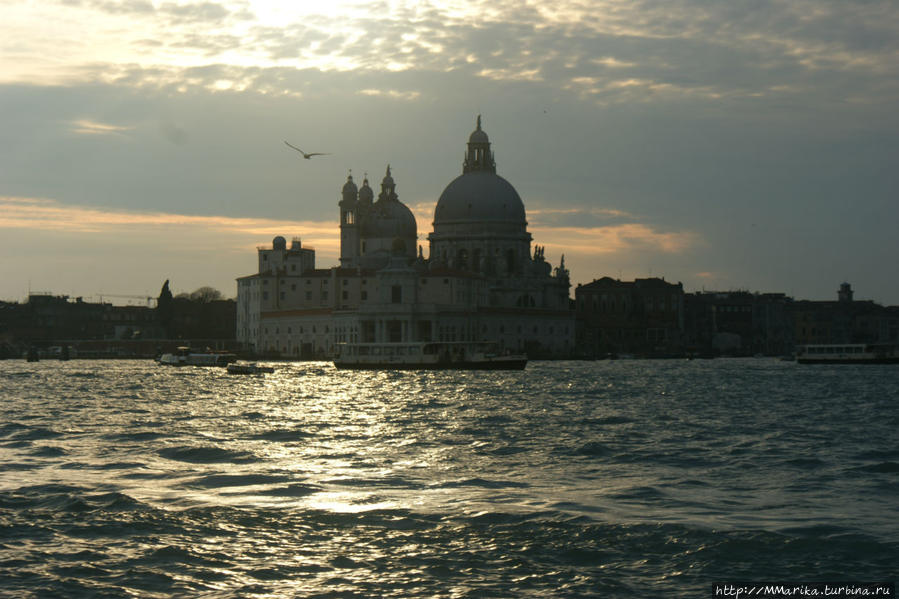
{"x": 249, "y": 369}
{"x": 848, "y": 353}
{"x": 185, "y": 356}
{"x": 426, "y": 356}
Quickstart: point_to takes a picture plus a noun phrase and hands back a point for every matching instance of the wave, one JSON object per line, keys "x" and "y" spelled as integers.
{"x": 879, "y": 468}
{"x": 480, "y": 482}
{"x": 214, "y": 481}
{"x": 206, "y": 455}
{"x": 283, "y": 435}
{"x": 67, "y": 498}
{"x": 294, "y": 490}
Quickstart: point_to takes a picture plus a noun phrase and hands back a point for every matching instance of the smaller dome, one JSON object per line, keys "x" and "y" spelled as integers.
{"x": 388, "y": 180}
{"x": 365, "y": 192}
{"x": 478, "y": 136}
{"x": 349, "y": 186}
{"x": 279, "y": 243}
{"x": 388, "y": 220}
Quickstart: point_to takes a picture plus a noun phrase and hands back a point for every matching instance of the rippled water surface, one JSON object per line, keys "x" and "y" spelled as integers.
{"x": 569, "y": 479}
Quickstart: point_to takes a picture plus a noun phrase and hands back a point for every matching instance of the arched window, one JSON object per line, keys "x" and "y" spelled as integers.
{"x": 463, "y": 258}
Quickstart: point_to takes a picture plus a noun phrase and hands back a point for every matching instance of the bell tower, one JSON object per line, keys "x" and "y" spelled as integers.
{"x": 349, "y": 229}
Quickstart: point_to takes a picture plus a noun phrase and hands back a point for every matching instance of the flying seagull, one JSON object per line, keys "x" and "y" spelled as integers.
{"x": 310, "y": 154}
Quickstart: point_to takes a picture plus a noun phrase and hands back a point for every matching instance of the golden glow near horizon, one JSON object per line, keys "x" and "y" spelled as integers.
{"x": 51, "y": 215}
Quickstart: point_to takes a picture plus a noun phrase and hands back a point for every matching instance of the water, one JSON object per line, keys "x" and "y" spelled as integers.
{"x": 570, "y": 479}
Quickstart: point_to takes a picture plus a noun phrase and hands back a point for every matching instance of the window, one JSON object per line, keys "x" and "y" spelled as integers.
{"x": 308, "y": 295}
{"x": 396, "y": 294}
{"x": 345, "y": 282}
{"x": 293, "y": 287}
{"x": 463, "y": 258}
{"x": 345, "y": 295}
{"x": 364, "y": 295}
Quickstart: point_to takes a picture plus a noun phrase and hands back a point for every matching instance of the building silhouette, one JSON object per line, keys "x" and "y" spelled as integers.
{"x": 482, "y": 279}
{"x": 642, "y": 317}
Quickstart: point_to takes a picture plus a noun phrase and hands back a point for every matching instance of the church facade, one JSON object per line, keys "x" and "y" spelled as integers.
{"x": 482, "y": 280}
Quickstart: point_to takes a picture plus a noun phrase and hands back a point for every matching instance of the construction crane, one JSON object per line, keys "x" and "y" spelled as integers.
{"x": 148, "y": 298}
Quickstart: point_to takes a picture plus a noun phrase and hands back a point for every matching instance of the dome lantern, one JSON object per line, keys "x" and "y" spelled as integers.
{"x": 479, "y": 157}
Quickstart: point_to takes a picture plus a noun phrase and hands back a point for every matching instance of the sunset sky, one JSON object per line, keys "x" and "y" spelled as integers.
{"x": 727, "y": 145}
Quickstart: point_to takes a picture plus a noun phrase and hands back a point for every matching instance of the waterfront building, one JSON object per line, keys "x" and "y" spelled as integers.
{"x": 738, "y": 323}
{"x": 482, "y": 279}
{"x": 643, "y": 317}
{"x": 845, "y": 320}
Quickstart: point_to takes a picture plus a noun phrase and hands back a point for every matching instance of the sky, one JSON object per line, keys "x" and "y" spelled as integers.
{"x": 726, "y": 145}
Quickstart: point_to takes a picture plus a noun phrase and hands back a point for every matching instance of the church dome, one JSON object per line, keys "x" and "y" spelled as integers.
{"x": 349, "y": 187}
{"x": 479, "y": 196}
{"x": 478, "y": 136}
{"x": 389, "y": 220}
{"x": 365, "y": 192}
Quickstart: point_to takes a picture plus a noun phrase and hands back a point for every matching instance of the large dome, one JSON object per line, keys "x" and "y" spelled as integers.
{"x": 479, "y": 196}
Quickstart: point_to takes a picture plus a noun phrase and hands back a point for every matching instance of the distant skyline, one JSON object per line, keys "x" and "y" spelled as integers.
{"x": 724, "y": 145}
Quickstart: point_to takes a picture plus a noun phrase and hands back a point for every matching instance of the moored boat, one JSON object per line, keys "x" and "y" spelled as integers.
{"x": 847, "y": 353}
{"x": 184, "y": 356}
{"x": 426, "y": 356}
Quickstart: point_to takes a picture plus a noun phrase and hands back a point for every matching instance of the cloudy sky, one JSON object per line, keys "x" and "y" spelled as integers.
{"x": 727, "y": 145}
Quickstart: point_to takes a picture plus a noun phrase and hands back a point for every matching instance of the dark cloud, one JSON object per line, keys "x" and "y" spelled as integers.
{"x": 205, "y": 12}
{"x": 125, "y": 7}
{"x": 210, "y": 13}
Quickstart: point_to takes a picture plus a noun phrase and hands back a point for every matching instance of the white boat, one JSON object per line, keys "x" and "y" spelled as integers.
{"x": 184, "y": 356}
{"x": 249, "y": 369}
{"x": 847, "y": 353}
{"x": 426, "y": 356}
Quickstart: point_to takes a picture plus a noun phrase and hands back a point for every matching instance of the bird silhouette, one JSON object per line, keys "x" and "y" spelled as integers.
{"x": 307, "y": 155}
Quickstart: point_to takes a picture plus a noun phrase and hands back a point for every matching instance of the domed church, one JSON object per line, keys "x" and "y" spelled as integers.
{"x": 481, "y": 281}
